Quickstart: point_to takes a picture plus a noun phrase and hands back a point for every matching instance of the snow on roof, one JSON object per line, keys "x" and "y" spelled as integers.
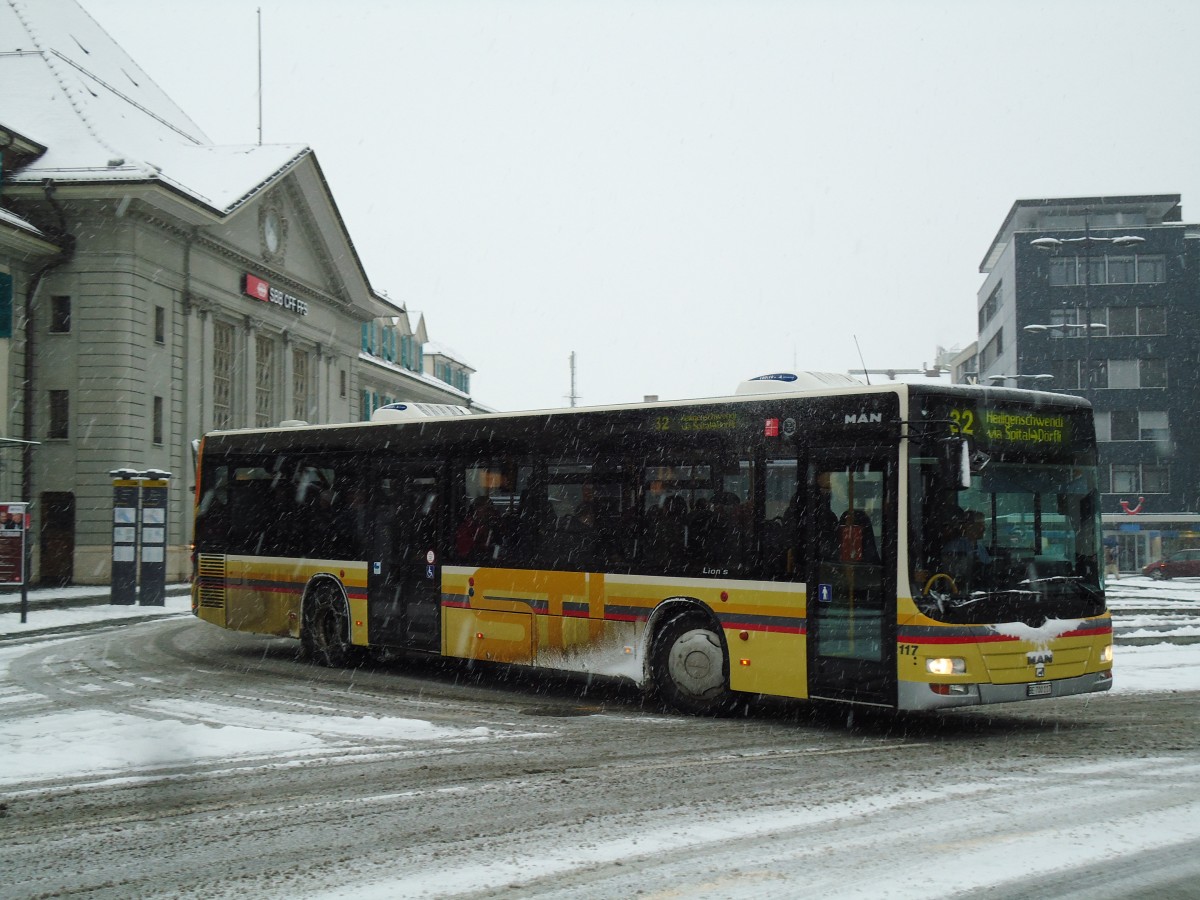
{"x": 433, "y": 348}
{"x": 69, "y": 86}
{"x": 16, "y": 221}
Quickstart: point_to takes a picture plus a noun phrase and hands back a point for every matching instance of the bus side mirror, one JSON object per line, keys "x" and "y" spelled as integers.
{"x": 955, "y": 460}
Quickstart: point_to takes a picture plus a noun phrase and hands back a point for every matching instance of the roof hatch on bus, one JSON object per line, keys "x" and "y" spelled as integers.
{"x": 787, "y": 382}
{"x": 403, "y": 412}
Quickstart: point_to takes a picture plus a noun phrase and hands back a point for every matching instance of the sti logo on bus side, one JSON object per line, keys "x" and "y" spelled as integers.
{"x": 864, "y": 419}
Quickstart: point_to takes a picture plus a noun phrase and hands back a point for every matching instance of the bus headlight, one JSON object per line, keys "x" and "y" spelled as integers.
{"x": 1106, "y": 655}
{"x": 946, "y": 665}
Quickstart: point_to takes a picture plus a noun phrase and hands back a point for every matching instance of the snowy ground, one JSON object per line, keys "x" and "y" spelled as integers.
{"x": 90, "y": 715}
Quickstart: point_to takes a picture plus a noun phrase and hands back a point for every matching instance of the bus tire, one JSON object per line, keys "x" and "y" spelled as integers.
{"x": 688, "y": 664}
{"x": 326, "y": 632}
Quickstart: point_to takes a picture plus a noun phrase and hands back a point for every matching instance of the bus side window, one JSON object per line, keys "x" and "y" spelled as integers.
{"x": 212, "y": 512}
{"x": 783, "y": 546}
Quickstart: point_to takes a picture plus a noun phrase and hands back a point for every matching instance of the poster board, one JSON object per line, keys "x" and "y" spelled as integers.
{"x": 13, "y": 531}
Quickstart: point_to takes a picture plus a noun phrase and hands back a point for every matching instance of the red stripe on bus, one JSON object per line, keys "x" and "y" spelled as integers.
{"x": 771, "y": 629}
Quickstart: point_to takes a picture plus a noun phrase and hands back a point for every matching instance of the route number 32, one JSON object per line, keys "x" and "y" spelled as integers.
{"x": 962, "y": 421}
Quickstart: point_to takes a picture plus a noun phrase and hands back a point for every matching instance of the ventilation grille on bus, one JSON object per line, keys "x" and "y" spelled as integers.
{"x": 212, "y": 581}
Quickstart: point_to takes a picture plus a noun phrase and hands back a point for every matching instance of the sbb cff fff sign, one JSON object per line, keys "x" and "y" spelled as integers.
{"x": 260, "y": 289}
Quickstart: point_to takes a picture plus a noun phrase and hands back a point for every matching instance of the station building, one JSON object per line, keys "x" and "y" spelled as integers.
{"x": 155, "y": 286}
{"x": 1100, "y": 297}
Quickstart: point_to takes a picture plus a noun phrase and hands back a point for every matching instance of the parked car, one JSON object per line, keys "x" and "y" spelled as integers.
{"x": 1180, "y": 564}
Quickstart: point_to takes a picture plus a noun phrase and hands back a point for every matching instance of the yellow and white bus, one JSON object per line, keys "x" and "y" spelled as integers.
{"x": 903, "y": 546}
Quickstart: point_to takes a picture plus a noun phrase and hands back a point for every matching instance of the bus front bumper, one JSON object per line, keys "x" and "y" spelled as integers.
{"x": 913, "y": 695}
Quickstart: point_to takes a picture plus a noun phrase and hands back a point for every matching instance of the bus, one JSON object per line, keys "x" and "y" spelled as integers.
{"x": 904, "y": 546}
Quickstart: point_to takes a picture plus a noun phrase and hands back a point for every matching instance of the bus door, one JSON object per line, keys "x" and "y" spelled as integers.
{"x": 851, "y": 564}
{"x": 404, "y": 574}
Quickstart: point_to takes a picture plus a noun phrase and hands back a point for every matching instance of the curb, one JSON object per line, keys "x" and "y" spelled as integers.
{"x": 11, "y": 603}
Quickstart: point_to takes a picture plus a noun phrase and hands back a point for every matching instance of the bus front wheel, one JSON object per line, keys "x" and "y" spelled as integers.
{"x": 688, "y": 665}
{"x": 326, "y": 633}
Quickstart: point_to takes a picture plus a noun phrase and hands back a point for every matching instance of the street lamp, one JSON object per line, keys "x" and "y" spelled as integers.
{"x": 1089, "y": 240}
{"x": 1065, "y": 329}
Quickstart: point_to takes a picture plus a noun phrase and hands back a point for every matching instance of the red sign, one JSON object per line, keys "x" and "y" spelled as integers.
{"x": 12, "y": 543}
{"x": 253, "y": 286}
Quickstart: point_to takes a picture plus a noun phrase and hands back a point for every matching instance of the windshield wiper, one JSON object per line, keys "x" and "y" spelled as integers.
{"x": 1075, "y": 578}
{"x": 1088, "y": 587}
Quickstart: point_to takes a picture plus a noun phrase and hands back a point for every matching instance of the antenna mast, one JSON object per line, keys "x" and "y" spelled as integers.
{"x": 260, "y": 76}
{"x": 572, "y": 396}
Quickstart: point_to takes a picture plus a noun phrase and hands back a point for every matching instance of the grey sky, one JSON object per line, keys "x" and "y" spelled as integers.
{"x": 687, "y": 194}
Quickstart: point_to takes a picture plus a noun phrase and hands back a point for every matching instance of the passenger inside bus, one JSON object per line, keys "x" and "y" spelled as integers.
{"x": 963, "y": 552}
{"x": 856, "y": 536}
{"x": 477, "y": 537}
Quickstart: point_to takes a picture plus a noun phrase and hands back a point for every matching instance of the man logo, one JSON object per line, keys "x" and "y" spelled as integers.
{"x": 864, "y": 418}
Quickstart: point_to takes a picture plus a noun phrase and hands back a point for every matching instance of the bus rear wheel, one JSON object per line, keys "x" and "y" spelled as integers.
{"x": 326, "y": 633}
{"x": 689, "y": 667}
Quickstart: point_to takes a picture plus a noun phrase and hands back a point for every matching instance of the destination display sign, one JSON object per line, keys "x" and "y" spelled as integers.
{"x": 1001, "y": 425}
{"x": 696, "y": 421}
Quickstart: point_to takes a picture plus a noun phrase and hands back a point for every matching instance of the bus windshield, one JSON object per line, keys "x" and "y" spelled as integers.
{"x": 1019, "y": 544}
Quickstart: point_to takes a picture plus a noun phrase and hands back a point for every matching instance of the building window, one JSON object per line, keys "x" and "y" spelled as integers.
{"x": 1124, "y": 479}
{"x": 992, "y": 350}
{"x": 1153, "y": 373}
{"x": 1156, "y": 479}
{"x": 1151, "y": 269}
{"x": 160, "y": 325}
{"x": 264, "y": 380}
{"x": 1131, "y": 320}
{"x": 60, "y": 416}
{"x": 60, "y": 315}
{"x": 1152, "y": 319}
{"x": 299, "y": 385}
{"x": 342, "y": 383}
{"x": 157, "y": 427}
{"x": 1131, "y": 478}
{"x": 1123, "y": 425}
{"x": 1095, "y": 374}
{"x": 1154, "y": 426}
{"x": 1122, "y": 320}
{"x": 1063, "y": 316}
{"x": 1122, "y": 373}
{"x": 222, "y": 375}
{"x": 371, "y": 401}
{"x": 1131, "y": 425}
{"x": 1062, "y": 272}
{"x": 1066, "y": 374}
{"x": 1122, "y": 270}
{"x": 990, "y": 306}
{"x": 1068, "y": 271}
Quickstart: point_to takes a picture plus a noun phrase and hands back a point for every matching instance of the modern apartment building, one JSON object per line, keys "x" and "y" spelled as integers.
{"x": 1100, "y": 297}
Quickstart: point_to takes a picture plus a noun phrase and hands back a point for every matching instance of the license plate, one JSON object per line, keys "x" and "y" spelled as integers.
{"x": 1044, "y": 689}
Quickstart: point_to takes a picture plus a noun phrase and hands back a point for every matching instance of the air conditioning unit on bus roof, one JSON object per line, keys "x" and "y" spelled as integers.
{"x": 405, "y": 412}
{"x": 786, "y": 382}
